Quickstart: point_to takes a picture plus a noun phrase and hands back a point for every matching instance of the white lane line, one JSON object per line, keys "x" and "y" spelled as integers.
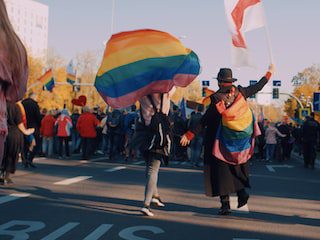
{"x": 245, "y": 239}
{"x": 69, "y": 181}
{"x": 138, "y": 163}
{"x": 84, "y": 161}
{"x": 271, "y": 168}
{"x": 12, "y": 197}
{"x": 234, "y": 204}
{"x": 115, "y": 169}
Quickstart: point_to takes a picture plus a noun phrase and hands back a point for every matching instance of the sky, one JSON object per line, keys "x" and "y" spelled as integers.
{"x": 76, "y": 26}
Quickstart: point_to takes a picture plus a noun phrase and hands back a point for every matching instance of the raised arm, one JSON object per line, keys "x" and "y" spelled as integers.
{"x": 253, "y": 89}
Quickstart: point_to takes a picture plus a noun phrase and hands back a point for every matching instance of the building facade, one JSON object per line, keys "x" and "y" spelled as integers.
{"x": 30, "y": 21}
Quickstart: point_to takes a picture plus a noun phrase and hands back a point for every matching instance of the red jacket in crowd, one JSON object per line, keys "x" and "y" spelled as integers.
{"x": 87, "y": 124}
{"x": 47, "y": 126}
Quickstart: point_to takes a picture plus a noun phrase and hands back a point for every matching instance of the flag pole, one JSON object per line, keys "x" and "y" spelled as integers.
{"x": 112, "y": 16}
{"x": 268, "y": 37}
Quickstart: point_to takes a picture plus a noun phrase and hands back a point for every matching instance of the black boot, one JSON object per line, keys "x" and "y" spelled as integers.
{"x": 225, "y": 205}
{"x": 243, "y": 197}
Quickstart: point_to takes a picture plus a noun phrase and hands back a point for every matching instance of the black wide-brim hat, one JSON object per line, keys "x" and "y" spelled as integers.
{"x": 225, "y": 75}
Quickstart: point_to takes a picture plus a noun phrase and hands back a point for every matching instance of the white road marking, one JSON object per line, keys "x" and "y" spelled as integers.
{"x": 61, "y": 231}
{"x": 97, "y": 233}
{"x": 84, "y": 161}
{"x": 12, "y": 197}
{"x": 234, "y": 204}
{"x": 245, "y": 239}
{"x": 138, "y": 163}
{"x": 271, "y": 168}
{"x": 69, "y": 181}
{"x": 115, "y": 169}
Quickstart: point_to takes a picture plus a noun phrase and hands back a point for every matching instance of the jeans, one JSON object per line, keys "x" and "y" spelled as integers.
{"x": 47, "y": 146}
{"x": 105, "y": 143}
{"x": 270, "y": 151}
{"x": 66, "y": 144}
{"x": 196, "y": 149}
{"x": 152, "y": 170}
{"x": 76, "y": 140}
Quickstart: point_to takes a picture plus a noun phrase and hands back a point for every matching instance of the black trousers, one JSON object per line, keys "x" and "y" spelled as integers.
{"x": 29, "y": 156}
{"x": 309, "y": 153}
{"x": 87, "y": 147}
{"x": 64, "y": 140}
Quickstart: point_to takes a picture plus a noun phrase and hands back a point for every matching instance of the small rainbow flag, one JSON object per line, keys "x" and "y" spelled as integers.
{"x": 236, "y": 133}
{"x": 142, "y": 62}
{"x": 71, "y": 73}
{"x": 47, "y": 80}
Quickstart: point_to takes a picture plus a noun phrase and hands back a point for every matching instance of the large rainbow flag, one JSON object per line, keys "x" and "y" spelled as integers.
{"x": 47, "y": 80}
{"x": 142, "y": 62}
{"x": 236, "y": 133}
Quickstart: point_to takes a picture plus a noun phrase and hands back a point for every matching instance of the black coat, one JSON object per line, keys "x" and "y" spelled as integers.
{"x": 222, "y": 178}
{"x": 33, "y": 114}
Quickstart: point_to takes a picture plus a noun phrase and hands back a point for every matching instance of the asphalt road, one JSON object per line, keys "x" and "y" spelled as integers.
{"x": 90, "y": 200}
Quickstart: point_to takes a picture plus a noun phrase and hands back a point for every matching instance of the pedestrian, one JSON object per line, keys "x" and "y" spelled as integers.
{"x": 153, "y": 138}
{"x": 47, "y": 133}
{"x": 229, "y": 139}
{"x": 13, "y": 70}
{"x": 33, "y": 116}
{"x": 310, "y": 140}
{"x": 86, "y": 126}
{"x": 64, "y": 124}
{"x": 14, "y": 142}
{"x": 129, "y": 127}
{"x": 271, "y": 134}
{"x": 197, "y": 141}
{"x": 285, "y": 143}
{"x": 76, "y": 140}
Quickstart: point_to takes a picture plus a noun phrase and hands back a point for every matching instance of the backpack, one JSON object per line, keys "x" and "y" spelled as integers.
{"x": 160, "y": 131}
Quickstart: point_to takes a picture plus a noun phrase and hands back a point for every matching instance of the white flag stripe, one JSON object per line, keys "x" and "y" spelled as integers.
{"x": 114, "y": 169}
{"x": 253, "y": 18}
{"x": 12, "y": 197}
{"x": 69, "y": 181}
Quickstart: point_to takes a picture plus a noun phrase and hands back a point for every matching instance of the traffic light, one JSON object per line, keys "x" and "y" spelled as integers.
{"x": 275, "y": 93}
{"x": 204, "y": 92}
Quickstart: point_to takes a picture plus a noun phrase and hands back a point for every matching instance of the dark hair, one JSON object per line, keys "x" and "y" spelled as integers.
{"x": 133, "y": 108}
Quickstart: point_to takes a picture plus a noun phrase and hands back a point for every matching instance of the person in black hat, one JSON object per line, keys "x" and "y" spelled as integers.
{"x": 221, "y": 177}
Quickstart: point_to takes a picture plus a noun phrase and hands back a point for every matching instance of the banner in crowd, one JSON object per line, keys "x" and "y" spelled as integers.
{"x": 71, "y": 73}
{"x": 47, "y": 80}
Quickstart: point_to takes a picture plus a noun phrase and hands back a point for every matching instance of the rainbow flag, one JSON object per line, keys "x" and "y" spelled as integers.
{"x": 236, "y": 133}
{"x": 71, "y": 73}
{"x": 47, "y": 80}
{"x": 142, "y": 62}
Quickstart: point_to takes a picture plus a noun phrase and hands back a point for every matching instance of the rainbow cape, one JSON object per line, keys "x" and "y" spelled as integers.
{"x": 47, "y": 80}
{"x": 234, "y": 141}
{"x": 142, "y": 62}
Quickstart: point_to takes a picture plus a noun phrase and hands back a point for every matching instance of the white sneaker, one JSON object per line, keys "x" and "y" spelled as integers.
{"x": 147, "y": 212}
{"x": 157, "y": 202}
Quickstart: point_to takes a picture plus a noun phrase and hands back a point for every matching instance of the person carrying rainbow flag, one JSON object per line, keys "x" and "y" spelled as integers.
{"x": 229, "y": 140}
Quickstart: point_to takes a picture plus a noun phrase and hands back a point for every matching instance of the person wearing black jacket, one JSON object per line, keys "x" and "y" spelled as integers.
{"x": 33, "y": 116}
{"x": 222, "y": 178}
{"x": 310, "y": 138}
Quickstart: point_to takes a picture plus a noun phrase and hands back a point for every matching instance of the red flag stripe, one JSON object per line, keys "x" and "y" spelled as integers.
{"x": 237, "y": 16}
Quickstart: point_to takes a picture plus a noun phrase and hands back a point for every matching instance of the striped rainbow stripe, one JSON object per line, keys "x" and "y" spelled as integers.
{"x": 71, "y": 78}
{"x": 47, "y": 80}
{"x": 234, "y": 142}
{"x": 142, "y": 62}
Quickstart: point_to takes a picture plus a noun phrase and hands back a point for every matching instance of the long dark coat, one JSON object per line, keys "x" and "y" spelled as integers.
{"x": 222, "y": 178}
{"x": 14, "y": 141}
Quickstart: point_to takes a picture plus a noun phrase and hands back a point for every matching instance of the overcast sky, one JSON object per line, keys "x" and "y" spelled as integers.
{"x": 79, "y": 25}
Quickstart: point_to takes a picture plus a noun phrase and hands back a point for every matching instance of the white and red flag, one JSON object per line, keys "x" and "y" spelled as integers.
{"x": 243, "y": 16}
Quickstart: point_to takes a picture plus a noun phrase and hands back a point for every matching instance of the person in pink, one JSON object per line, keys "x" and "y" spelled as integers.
{"x": 64, "y": 124}
{"x": 47, "y": 133}
{"x": 271, "y": 134}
